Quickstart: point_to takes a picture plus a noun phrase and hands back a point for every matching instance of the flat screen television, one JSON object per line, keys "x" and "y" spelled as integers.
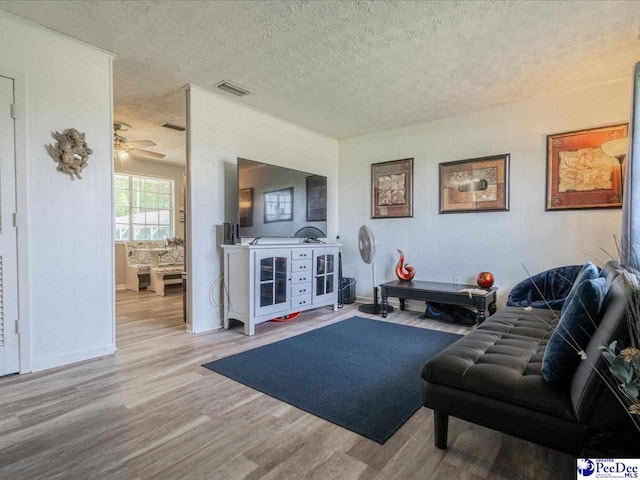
{"x": 280, "y": 202}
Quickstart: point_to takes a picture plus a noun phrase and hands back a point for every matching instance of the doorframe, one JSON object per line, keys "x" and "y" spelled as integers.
{"x": 22, "y": 232}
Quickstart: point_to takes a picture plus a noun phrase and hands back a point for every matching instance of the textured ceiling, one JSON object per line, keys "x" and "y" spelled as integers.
{"x": 145, "y": 117}
{"x": 346, "y": 68}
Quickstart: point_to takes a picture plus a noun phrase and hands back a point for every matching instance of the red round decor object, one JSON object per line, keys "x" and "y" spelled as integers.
{"x": 286, "y": 318}
{"x": 485, "y": 279}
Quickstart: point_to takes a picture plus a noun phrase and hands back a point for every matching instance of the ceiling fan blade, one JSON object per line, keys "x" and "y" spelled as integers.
{"x": 141, "y": 143}
{"x": 137, "y": 152}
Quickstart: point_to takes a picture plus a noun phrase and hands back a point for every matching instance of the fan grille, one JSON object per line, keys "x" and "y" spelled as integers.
{"x": 366, "y": 244}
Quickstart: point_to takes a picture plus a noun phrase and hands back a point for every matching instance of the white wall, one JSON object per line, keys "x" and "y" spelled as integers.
{"x": 220, "y": 130}
{"x": 444, "y": 246}
{"x": 67, "y": 304}
{"x": 139, "y": 166}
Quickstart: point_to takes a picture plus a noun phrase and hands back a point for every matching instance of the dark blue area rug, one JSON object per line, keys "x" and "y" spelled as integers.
{"x": 361, "y": 374}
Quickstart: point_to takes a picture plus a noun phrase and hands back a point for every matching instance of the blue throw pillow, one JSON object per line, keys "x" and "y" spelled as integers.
{"x": 577, "y": 324}
{"x": 588, "y": 272}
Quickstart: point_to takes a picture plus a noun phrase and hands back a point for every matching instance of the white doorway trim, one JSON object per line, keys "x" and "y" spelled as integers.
{"x": 24, "y": 294}
{"x": 187, "y": 209}
{"x": 112, "y": 168}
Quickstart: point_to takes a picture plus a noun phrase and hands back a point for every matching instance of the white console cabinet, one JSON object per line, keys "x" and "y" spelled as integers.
{"x": 263, "y": 282}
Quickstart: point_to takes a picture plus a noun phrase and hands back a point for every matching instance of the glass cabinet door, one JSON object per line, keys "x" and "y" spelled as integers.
{"x": 325, "y": 265}
{"x": 271, "y": 282}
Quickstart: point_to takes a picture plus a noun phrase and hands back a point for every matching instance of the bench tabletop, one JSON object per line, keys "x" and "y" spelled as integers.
{"x": 438, "y": 287}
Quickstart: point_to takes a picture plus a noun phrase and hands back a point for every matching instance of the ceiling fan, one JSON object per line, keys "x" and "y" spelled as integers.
{"x": 124, "y": 148}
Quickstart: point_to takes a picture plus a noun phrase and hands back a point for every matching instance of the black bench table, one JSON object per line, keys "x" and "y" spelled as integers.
{"x": 439, "y": 292}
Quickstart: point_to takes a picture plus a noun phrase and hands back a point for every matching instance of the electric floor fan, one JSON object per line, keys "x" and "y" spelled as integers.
{"x": 367, "y": 247}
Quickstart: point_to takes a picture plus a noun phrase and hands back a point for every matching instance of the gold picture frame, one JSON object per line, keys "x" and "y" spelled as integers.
{"x": 475, "y": 185}
{"x": 392, "y": 189}
{"x": 585, "y": 168}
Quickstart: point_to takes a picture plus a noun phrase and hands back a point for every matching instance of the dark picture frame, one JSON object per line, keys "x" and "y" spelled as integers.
{"x": 392, "y": 189}
{"x": 586, "y": 168}
{"x": 475, "y": 185}
{"x": 316, "y": 198}
{"x": 245, "y": 207}
{"x": 278, "y": 196}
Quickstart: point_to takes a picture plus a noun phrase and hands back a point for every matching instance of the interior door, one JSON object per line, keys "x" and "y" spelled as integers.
{"x": 9, "y": 353}
{"x": 273, "y": 270}
{"x": 325, "y": 269}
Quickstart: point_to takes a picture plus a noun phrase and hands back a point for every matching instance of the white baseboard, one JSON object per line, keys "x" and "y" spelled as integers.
{"x": 411, "y": 305}
{"x": 46, "y": 363}
{"x": 204, "y": 332}
{"x": 121, "y": 287}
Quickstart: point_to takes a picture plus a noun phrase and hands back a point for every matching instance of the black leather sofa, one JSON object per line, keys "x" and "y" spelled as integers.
{"x": 492, "y": 377}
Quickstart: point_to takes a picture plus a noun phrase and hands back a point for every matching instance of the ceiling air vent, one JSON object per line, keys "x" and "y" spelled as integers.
{"x": 232, "y": 89}
{"x": 180, "y": 128}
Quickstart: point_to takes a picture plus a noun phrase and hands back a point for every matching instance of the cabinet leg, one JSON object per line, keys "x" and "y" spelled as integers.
{"x": 335, "y": 307}
{"x": 249, "y": 329}
{"x": 401, "y": 303}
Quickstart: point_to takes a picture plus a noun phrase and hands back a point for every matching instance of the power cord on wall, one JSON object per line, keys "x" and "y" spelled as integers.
{"x": 212, "y": 293}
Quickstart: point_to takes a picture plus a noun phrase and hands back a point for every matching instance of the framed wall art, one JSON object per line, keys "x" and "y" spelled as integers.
{"x": 585, "y": 168}
{"x": 316, "y": 198}
{"x": 245, "y": 207}
{"x": 475, "y": 185}
{"x": 392, "y": 189}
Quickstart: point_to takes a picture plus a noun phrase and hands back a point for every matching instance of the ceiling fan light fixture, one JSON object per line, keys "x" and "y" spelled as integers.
{"x": 232, "y": 89}
{"x": 119, "y": 126}
{"x": 173, "y": 126}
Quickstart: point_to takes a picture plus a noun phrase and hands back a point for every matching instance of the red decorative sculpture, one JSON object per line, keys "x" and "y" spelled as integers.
{"x": 404, "y": 272}
{"x": 485, "y": 279}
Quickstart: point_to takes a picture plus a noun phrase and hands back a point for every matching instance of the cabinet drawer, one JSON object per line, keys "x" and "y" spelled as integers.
{"x": 301, "y": 289}
{"x": 301, "y": 277}
{"x": 301, "y": 266}
{"x": 301, "y": 254}
{"x": 300, "y": 301}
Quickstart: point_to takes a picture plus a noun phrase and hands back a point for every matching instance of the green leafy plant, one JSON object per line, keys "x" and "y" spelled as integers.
{"x": 624, "y": 365}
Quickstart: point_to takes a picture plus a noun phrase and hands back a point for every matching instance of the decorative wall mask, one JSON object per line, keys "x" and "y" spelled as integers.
{"x": 70, "y": 152}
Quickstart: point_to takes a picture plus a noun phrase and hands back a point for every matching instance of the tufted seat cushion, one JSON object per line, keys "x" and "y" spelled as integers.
{"x": 536, "y": 323}
{"x": 502, "y": 365}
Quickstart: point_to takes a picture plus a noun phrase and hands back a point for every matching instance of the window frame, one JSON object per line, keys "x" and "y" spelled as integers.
{"x": 172, "y": 207}
{"x": 290, "y": 191}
